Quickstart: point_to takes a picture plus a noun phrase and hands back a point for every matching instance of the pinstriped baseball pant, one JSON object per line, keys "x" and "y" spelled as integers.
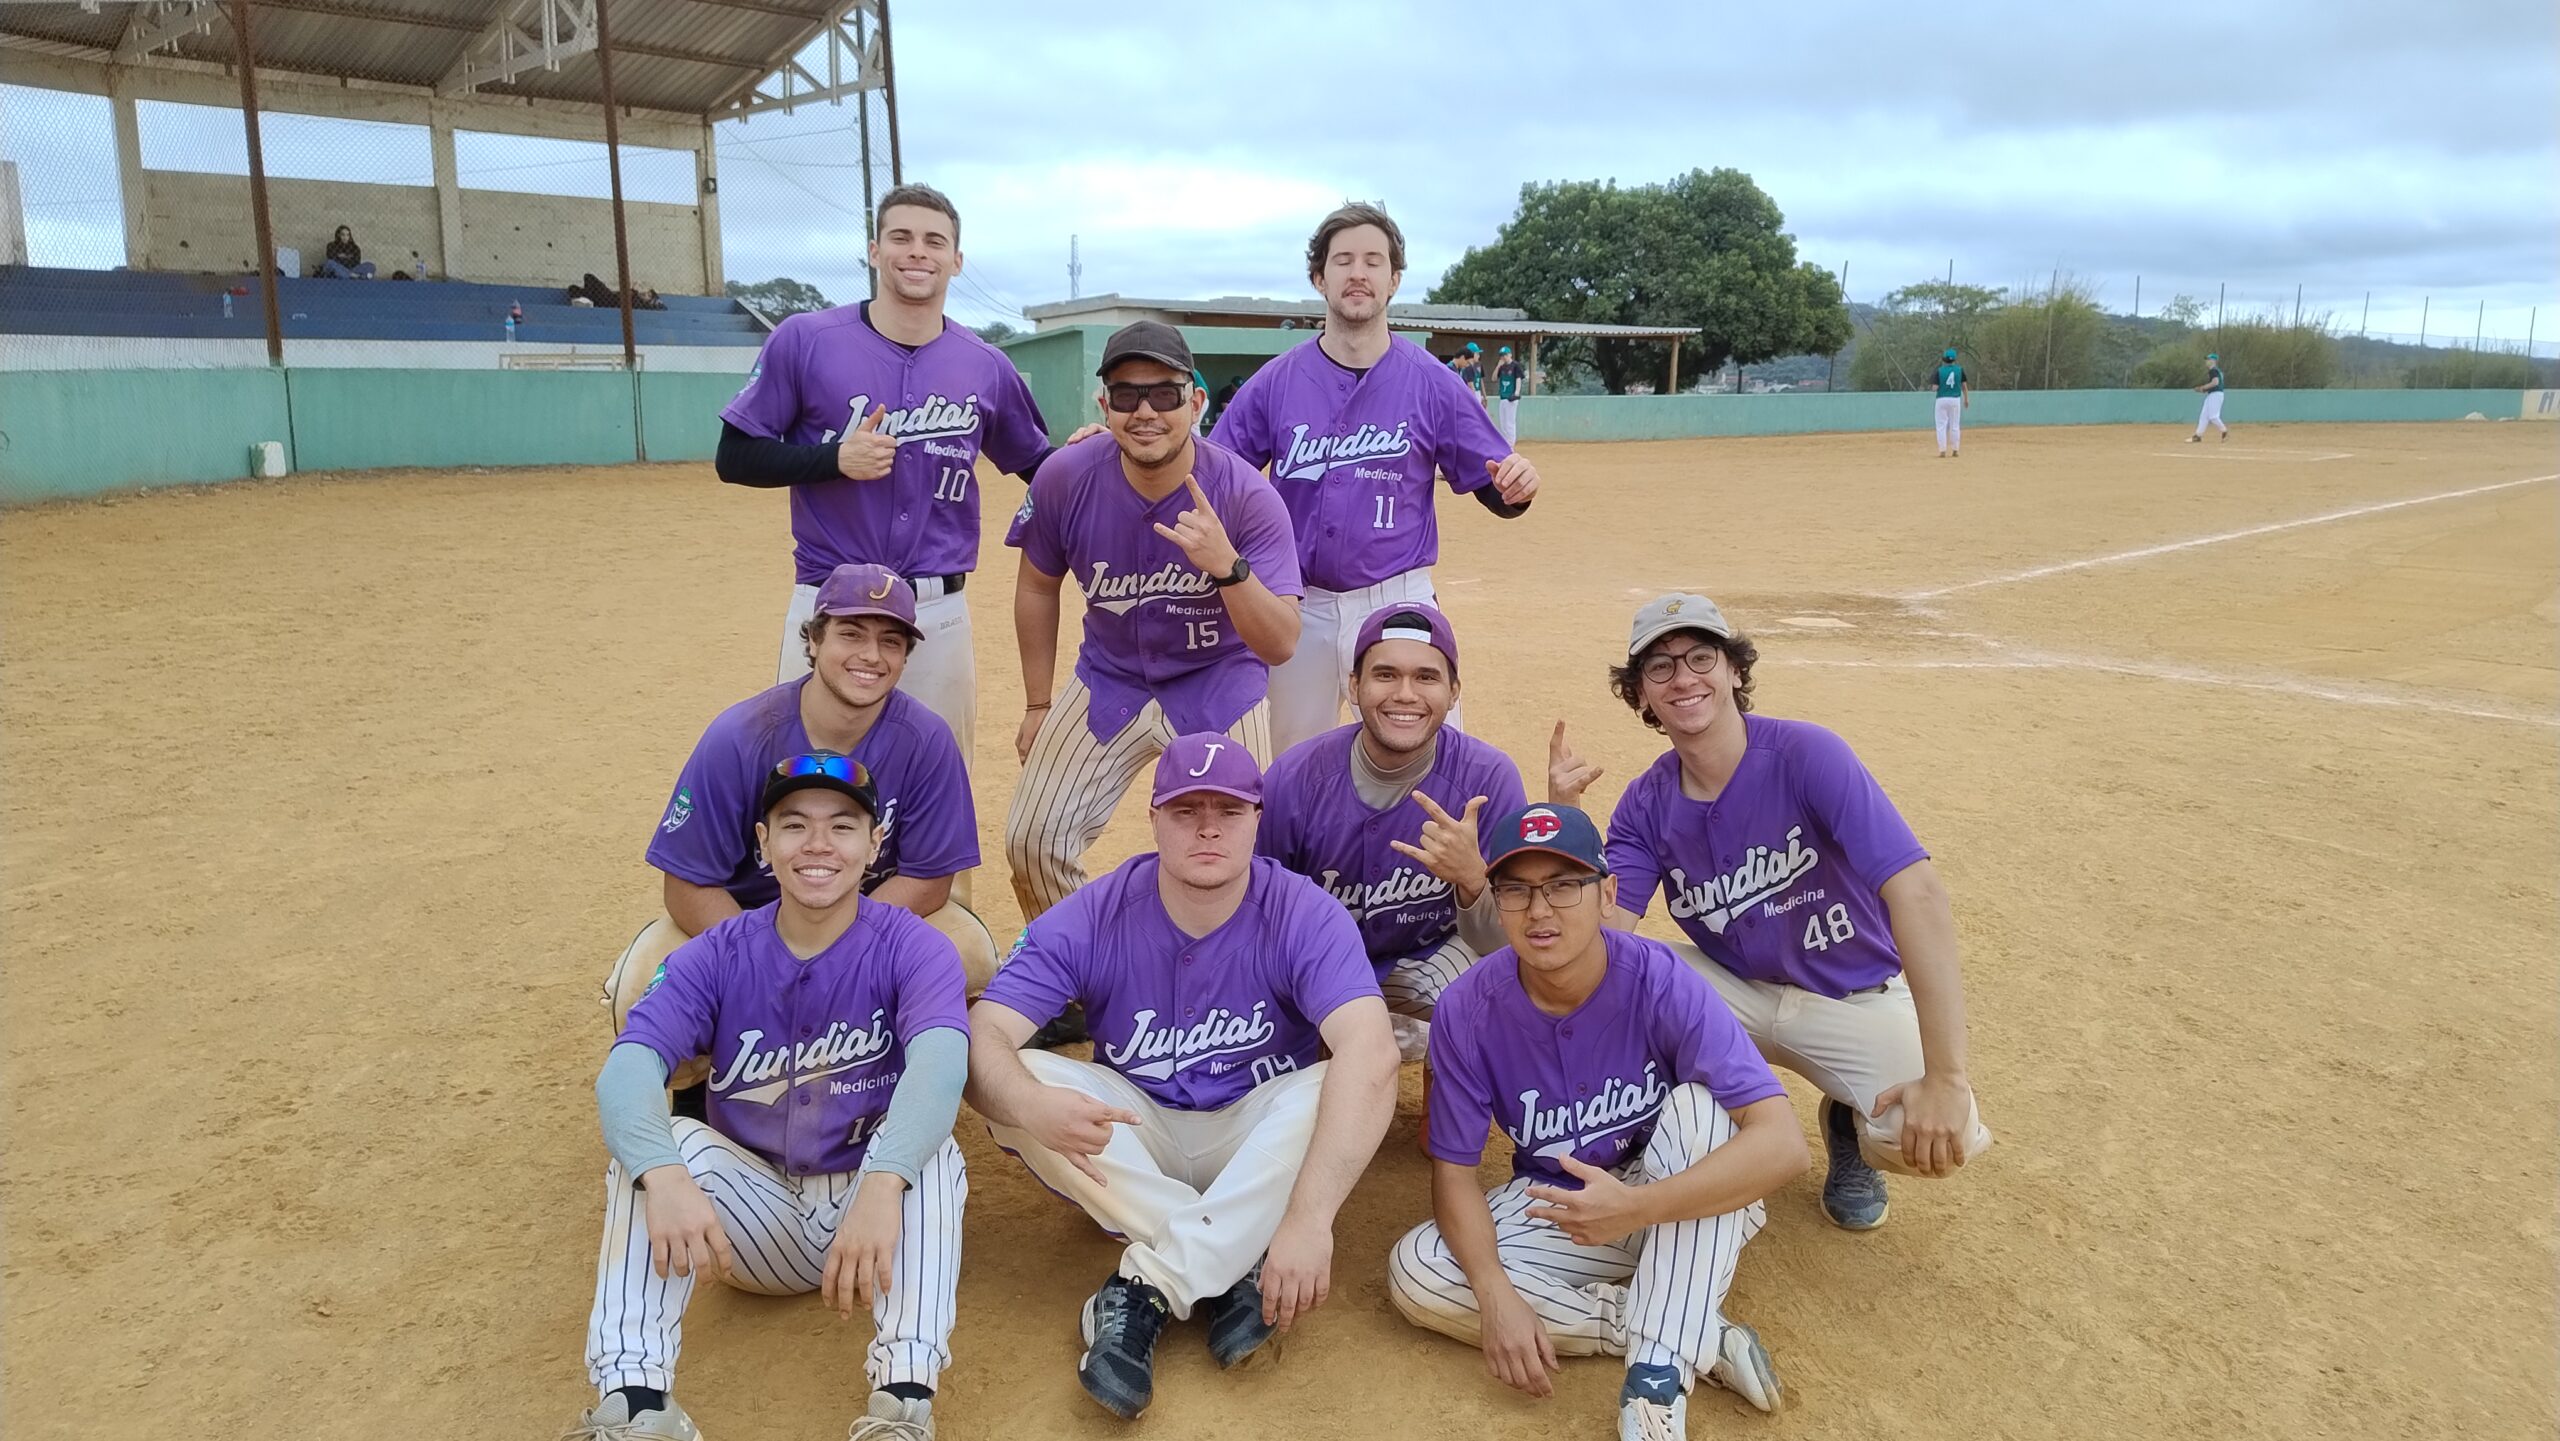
{"x": 780, "y": 1227}
{"x": 1413, "y": 986}
{"x": 1656, "y": 1297}
{"x": 1071, "y": 783}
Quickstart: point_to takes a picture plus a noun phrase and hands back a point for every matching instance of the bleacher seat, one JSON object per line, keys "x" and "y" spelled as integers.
{"x": 39, "y": 300}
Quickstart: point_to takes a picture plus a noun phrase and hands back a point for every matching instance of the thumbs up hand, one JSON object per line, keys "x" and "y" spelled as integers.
{"x": 866, "y": 452}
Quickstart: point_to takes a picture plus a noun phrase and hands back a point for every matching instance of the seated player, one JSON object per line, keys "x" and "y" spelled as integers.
{"x": 1805, "y": 899}
{"x": 1645, "y": 1132}
{"x": 1190, "y": 578}
{"x": 1383, "y": 812}
{"x": 1243, "y": 1074}
{"x": 838, "y": 1040}
{"x": 859, "y": 639}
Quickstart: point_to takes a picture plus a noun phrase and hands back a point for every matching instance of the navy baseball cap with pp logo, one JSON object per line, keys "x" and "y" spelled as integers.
{"x": 1567, "y": 832}
{"x": 1207, "y": 761}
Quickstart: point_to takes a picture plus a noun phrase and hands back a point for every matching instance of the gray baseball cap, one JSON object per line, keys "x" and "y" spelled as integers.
{"x": 1683, "y": 611}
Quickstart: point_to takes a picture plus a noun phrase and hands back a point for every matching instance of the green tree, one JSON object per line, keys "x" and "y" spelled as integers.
{"x": 778, "y": 297}
{"x": 1900, "y": 348}
{"x": 1705, "y": 249}
{"x": 2053, "y": 341}
{"x": 2264, "y": 352}
{"x": 996, "y": 332}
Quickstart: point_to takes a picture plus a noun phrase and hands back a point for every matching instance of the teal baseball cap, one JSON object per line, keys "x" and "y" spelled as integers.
{"x": 1951, "y": 352}
{"x": 2210, "y": 355}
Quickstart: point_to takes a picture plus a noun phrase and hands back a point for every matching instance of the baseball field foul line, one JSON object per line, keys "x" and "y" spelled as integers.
{"x": 2351, "y": 513}
{"x": 2272, "y": 684}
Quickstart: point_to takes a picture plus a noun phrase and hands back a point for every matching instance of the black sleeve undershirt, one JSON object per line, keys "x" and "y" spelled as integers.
{"x": 1491, "y": 499}
{"x": 761, "y": 464}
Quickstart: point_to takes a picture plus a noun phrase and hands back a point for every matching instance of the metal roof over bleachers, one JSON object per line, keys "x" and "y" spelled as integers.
{"x": 714, "y": 58}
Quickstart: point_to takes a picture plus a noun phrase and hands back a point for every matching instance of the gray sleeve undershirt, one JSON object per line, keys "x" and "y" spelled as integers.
{"x": 1479, "y": 926}
{"x": 631, "y": 1101}
{"x": 924, "y": 1106}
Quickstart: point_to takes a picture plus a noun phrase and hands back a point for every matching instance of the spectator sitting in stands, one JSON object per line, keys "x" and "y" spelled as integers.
{"x": 592, "y": 291}
{"x": 345, "y": 261}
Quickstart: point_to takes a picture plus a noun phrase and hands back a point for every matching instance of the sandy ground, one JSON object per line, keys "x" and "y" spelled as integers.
{"x": 325, "y": 802}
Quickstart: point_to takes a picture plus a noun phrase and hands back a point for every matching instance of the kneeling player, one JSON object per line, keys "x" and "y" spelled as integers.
{"x": 1645, "y": 1133}
{"x": 1210, "y": 1130}
{"x": 839, "y": 1044}
{"x": 1383, "y": 813}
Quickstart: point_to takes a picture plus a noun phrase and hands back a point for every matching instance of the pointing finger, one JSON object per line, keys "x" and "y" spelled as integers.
{"x": 1555, "y": 743}
{"x": 1085, "y": 1164}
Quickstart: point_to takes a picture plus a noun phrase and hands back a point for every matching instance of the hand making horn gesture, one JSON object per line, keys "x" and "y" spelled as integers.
{"x": 1449, "y": 847}
{"x": 1568, "y": 775}
{"x": 1202, "y": 536}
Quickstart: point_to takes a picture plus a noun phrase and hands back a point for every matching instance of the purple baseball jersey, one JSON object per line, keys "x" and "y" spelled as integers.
{"x": 1587, "y": 1085}
{"x": 1155, "y": 627}
{"x": 1352, "y": 452}
{"x": 804, "y": 1054}
{"x": 1194, "y": 1023}
{"x": 1778, "y": 878}
{"x": 823, "y": 371}
{"x": 1314, "y": 822}
{"x": 928, "y": 822}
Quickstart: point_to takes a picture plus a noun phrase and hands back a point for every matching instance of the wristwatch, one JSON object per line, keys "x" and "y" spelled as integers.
{"x": 1238, "y": 576}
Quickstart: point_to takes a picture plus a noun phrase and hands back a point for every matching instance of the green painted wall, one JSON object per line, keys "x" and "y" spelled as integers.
{"x": 68, "y": 433}
{"x": 1654, "y": 417}
{"x": 680, "y": 412}
{"x": 367, "y": 419}
{"x": 1059, "y": 364}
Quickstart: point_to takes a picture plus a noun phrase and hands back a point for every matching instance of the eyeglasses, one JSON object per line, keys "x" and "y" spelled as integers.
{"x": 1701, "y": 660}
{"x": 1162, "y": 398}
{"x": 843, "y": 768}
{"x": 1562, "y": 894}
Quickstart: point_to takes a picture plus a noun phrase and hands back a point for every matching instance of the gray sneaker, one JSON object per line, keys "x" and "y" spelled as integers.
{"x": 1853, "y": 1193}
{"x": 611, "y": 1420}
{"x": 1743, "y": 1368}
{"x": 894, "y": 1418}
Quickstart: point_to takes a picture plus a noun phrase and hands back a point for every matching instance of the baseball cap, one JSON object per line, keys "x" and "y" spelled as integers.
{"x": 1147, "y": 340}
{"x": 1565, "y": 831}
{"x": 821, "y": 771}
{"x": 1684, "y": 611}
{"x": 1473, "y": 348}
{"x": 867, "y": 589}
{"x": 1506, "y": 350}
{"x": 1951, "y": 352}
{"x": 1206, "y": 761}
{"x": 1405, "y": 621}
{"x": 2209, "y": 355}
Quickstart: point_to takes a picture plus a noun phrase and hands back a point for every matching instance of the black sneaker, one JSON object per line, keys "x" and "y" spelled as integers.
{"x": 1121, "y": 1323}
{"x": 1236, "y": 1327}
{"x": 1853, "y": 1194}
{"x": 1064, "y": 1029}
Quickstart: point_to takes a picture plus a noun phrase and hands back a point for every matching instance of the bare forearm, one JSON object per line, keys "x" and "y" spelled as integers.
{"x": 998, "y": 1081}
{"x": 1766, "y": 1151}
{"x": 1351, "y": 1119}
{"x": 1035, "y": 632}
{"x": 919, "y": 894}
{"x": 1466, "y": 1224}
{"x": 1924, "y": 931}
{"x": 1267, "y": 623}
{"x": 696, "y": 909}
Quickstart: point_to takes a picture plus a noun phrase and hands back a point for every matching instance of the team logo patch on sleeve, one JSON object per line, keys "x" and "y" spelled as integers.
{"x": 1540, "y": 825}
{"x": 680, "y": 811}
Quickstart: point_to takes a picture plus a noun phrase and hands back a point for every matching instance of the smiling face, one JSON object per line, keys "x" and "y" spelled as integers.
{"x": 1146, "y": 435}
{"x": 1687, "y": 701}
{"x": 1359, "y": 275}
{"x": 1551, "y": 938}
{"x": 1204, "y": 839}
{"x": 917, "y": 253}
{"x": 859, "y": 658}
{"x": 1403, "y": 692}
{"x": 818, "y": 843}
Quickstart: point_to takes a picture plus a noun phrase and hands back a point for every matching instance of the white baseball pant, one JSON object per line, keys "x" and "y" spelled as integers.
{"x": 1670, "y": 1309}
{"x": 1071, "y": 783}
{"x": 1852, "y": 1049}
{"x": 1196, "y": 1194}
{"x": 1506, "y": 418}
{"x": 1307, "y": 693}
{"x": 780, "y": 1228}
{"x": 2212, "y": 413}
{"x": 942, "y": 671}
{"x": 1950, "y": 423}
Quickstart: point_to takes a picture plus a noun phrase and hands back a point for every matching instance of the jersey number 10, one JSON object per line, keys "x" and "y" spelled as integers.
{"x": 952, "y": 483}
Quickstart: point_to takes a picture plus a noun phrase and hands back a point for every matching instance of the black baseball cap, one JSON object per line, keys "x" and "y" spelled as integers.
{"x": 1563, "y": 831}
{"x": 1147, "y": 340}
{"x": 821, "y": 771}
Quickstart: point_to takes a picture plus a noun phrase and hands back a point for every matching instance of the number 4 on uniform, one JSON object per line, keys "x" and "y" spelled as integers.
{"x": 1828, "y": 929}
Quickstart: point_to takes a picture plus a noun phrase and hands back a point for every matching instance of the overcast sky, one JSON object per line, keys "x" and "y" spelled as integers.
{"x": 2346, "y": 145}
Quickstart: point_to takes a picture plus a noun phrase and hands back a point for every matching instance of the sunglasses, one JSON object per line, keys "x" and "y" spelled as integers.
{"x": 843, "y": 768}
{"x": 1163, "y": 398}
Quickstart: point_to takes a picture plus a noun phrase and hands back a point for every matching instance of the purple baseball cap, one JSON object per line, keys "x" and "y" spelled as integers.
{"x": 1207, "y": 761}
{"x": 870, "y": 590}
{"x": 1565, "y": 831}
{"x": 1407, "y": 621}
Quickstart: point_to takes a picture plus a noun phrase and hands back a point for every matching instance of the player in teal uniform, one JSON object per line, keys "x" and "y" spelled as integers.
{"x": 2211, "y": 390}
{"x": 1955, "y": 394}
{"x": 1506, "y": 385}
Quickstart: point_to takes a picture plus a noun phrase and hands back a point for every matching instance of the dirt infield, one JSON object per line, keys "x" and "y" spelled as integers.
{"x": 325, "y": 804}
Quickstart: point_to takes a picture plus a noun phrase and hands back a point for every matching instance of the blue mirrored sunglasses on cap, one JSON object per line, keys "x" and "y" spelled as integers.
{"x": 843, "y": 768}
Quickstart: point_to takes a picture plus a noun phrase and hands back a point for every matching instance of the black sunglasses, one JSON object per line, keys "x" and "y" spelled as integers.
{"x": 1162, "y": 398}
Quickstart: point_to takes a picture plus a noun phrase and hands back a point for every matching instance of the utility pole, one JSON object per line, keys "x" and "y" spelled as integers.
{"x": 2297, "y": 304}
{"x": 613, "y": 174}
{"x": 2367, "y": 316}
{"x": 2423, "y": 307}
{"x": 889, "y": 90}
{"x": 2137, "y": 297}
{"x": 2477, "y": 324}
{"x": 258, "y": 216}
{"x": 1831, "y": 373}
{"x": 1075, "y": 268}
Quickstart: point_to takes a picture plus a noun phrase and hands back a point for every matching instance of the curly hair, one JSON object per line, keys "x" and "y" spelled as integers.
{"x": 1626, "y": 682}
{"x": 1356, "y": 213}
